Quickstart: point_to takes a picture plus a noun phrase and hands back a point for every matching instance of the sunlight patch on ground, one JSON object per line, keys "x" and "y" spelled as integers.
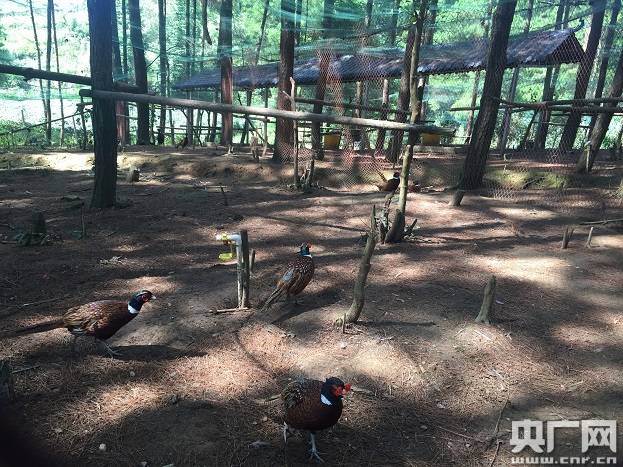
{"x": 542, "y": 270}
{"x": 524, "y": 214}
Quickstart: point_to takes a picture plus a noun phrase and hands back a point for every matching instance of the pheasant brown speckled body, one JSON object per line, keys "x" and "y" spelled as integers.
{"x": 390, "y": 185}
{"x": 101, "y": 319}
{"x": 312, "y": 406}
{"x": 299, "y": 273}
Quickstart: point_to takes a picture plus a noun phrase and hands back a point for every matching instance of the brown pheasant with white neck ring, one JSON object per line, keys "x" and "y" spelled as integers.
{"x": 101, "y": 319}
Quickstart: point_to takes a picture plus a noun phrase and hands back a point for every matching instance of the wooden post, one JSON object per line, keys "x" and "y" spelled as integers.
{"x": 404, "y": 178}
{"x": 590, "y": 237}
{"x": 457, "y": 197}
{"x": 297, "y": 180}
{"x": 7, "y": 390}
{"x": 364, "y": 268}
{"x": 566, "y": 238}
{"x": 243, "y": 299}
{"x": 487, "y": 302}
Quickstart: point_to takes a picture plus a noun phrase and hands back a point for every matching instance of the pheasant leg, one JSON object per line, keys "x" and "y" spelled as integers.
{"x": 313, "y": 450}
{"x": 111, "y": 352}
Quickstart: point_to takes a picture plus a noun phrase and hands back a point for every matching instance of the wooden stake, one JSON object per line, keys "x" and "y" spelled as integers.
{"x": 224, "y": 195}
{"x": 246, "y": 270}
{"x": 590, "y": 237}
{"x": 252, "y": 268}
{"x": 457, "y": 197}
{"x": 487, "y": 302}
{"x": 7, "y": 388}
{"x": 364, "y": 268}
{"x": 566, "y": 238}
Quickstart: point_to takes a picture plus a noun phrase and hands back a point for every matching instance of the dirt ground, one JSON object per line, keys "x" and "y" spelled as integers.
{"x": 193, "y": 388}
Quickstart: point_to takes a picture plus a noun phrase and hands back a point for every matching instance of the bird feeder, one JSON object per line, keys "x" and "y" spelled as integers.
{"x": 239, "y": 249}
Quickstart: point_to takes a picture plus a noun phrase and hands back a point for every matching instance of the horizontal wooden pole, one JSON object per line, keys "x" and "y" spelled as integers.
{"x": 554, "y": 105}
{"x": 277, "y": 113}
{"x": 33, "y": 73}
{"x": 346, "y": 105}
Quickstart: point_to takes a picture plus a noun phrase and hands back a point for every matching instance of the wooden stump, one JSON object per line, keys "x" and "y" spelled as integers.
{"x": 487, "y": 302}
{"x": 457, "y": 197}
{"x": 566, "y": 238}
{"x": 590, "y": 237}
{"x": 133, "y": 176}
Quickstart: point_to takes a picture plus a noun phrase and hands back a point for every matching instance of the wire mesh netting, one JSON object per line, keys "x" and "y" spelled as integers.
{"x": 358, "y": 48}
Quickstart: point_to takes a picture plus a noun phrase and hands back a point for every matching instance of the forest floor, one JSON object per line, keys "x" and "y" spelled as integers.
{"x": 193, "y": 388}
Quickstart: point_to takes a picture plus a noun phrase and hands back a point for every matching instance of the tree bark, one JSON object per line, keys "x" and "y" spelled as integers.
{"x": 284, "y": 136}
{"x": 100, "y": 29}
{"x": 478, "y": 151}
{"x": 605, "y": 54}
{"x": 427, "y": 40}
{"x": 585, "y": 67}
{"x": 297, "y": 22}
{"x": 321, "y": 85}
{"x": 140, "y": 70}
{"x": 362, "y": 86}
{"x": 38, "y": 48}
{"x": 58, "y": 70}
{"x": 123, "y": 106}
{"x": 117, "y": 74}
{"x": 404, "y": 96}
{"x": 391, "y": 39}
{"x": 415, "y": 101}
{"x": 225, "y": 59}
{"x": 162, "y": 39}
{"x": 587, "y": 159}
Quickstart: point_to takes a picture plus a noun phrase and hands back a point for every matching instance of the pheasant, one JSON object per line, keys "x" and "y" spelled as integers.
{"x": 312, "y": 405}
{"x": 298, "y": 274}
{"x": 183, "y": 143}
{"x": 391, "y": 184}
{"x": 100, "y": 319}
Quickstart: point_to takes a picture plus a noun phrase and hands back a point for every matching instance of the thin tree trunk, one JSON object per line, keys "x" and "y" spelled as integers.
{"x": 48, "y": 67}
{"x": 34, "y": 30}
{"x": 427, "y": 40}
{"x": 225, "y": 58}
{"x": 297, "y": 24}
{"x": 104, "y": 192}
{"x": 162, "y": 39}
{"x": 585, "y": 67}
{"x": 58, "y": 69}
{"x": 140, "y": 70}
{"x": 391, "y": 39}
{"x": 470, "y": 119}
{"x": 123, "y": 106}
{"x": 605, "y": 54}
{"x": 476, "y": 159}
{"x": 321, "y": 85}
{"x": 506, "y": 119}
{"x": 117, "y": 74}
{"x": 551, "y": 78}
{"x": 404, "y": 96}
{"x": 284, "y": 138}
{"x": 602, "y": 123}
{"x": 362, "y": 86}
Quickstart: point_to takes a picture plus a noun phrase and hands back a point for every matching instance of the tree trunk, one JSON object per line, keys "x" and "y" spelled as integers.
{"x": 227, "y": 81}
{"x": 297, "y": 22}
{"x": 140, "y": 70}
{"x": 605, "y": 54}
{"x": 123, "y": 106}
{"x": 321, "y": 85}
{"x": 34, "y": 30}
{"x": 506, "y": 119}
{"x": 404, "y": 96}
{"x": 551, "y": 77}
{"x": 58, "y": 70}
{"x": 584, "y": 73}
{"x": 391, "y": 39}
{"x": 162, "y": 40}
{"x": 602, "y": 123}
{"x": 470, "y": 119}
{"x": 48, "y": 67}
{"x": 285, "y": 130}
{"x": 117, "y": 74}
{"x": 427, "y": 40}
{"x": 415, "y": 101}
{"x": 478, "y": 151}
{"x": 104, "y": 191}
{"x": 362, "y": 86}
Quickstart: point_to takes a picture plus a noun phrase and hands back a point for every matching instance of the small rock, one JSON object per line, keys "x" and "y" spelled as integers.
{"x": 132, "y": 374}
{"x": 423, "y": 427}
{"x": 467, "y": 445}
{"x": 343, "y": 345}
{"x": 102, "y": 447}
{"x": 143, "y": 464}
{"x": 264, "y": 418}
{"x": 58, "y": 430}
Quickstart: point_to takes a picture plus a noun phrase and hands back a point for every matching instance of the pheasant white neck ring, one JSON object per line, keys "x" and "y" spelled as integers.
{"x": 324, "y": 400}
{"x": 132, "y": 310}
